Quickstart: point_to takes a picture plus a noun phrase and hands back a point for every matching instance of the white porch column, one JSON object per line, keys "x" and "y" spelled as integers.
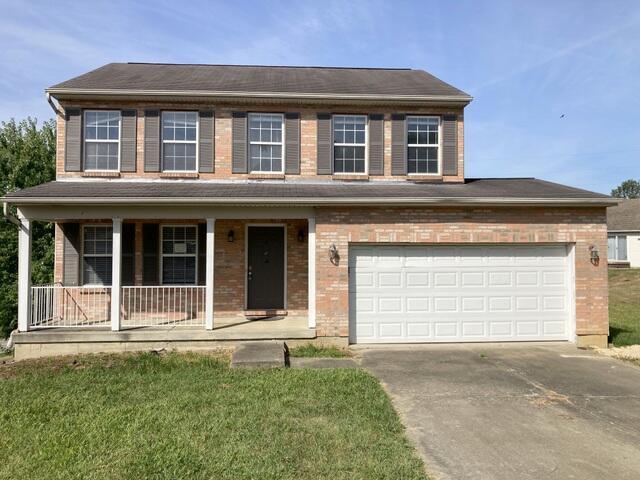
{"x": 116, "y": 277}
{"x": 311, "y": 259}
{"x": 209, "y": 274}
{"x": 24, "y": 272}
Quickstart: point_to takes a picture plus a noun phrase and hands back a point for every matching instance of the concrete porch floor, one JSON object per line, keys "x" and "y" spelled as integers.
{"x": 227, "y": 331}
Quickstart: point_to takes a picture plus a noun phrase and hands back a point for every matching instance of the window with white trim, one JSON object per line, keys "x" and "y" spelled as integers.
{"x": 179, "y": 255}
{"x": 265, "y": 142}
{"x": 349, "y": 143}
{"x": 96, "y": 254}
{"x": 617, "y": 248}
{"x": 101, "y": 140}
{"x": 423, "y": 145}
{"x": 179, "y": 141}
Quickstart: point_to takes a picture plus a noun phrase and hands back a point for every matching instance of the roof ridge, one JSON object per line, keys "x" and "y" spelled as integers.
{"x": 269, "y": 66}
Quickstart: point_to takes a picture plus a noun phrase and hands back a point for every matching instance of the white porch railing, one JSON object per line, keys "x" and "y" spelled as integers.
{"x": 163, "y": 306}
{"x": 58, "y": 306}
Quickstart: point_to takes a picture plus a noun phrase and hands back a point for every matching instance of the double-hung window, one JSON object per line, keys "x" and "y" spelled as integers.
{"x": 265, "y": 143}
{"x": 96, "y": 254}
{"x": 617, "y": 248}
{"x": 101, "y": 140}
{"x": 423, "y": 145}
{"x": 179, "y": 255}
{"x": 349, "y": 143}
{"x": 179, "y": 141}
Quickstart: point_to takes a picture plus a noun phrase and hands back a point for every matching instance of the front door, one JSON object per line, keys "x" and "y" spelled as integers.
{"x": 265, "y": 268}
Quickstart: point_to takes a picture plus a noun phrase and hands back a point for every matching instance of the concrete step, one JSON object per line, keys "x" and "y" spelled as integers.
{"x": 259, "y": 355}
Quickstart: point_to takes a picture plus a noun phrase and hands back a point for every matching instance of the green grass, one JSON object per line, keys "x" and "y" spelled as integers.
{"x": 187, "y": 416}
{"x": 624, "y": 306}
{"x": 311, "y": 350}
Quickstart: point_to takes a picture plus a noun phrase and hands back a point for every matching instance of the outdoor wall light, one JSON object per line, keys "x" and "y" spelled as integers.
{"x": 333, "y": 254}
{"x": 231, "y": 236}
{"x": 594, "y": 254}
{"x": 301, "y": 235}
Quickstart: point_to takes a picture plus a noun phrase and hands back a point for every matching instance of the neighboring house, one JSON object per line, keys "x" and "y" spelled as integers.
{"x": 623, "y": 226}
{"x": 192, "y": 199}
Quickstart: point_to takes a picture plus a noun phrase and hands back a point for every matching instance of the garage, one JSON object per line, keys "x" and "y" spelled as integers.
{"x": 447, "y": 293}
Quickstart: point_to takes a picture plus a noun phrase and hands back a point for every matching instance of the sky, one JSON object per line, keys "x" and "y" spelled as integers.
{"x": 555, "y": 83}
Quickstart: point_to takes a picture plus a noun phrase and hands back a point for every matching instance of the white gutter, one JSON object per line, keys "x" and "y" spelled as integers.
{"x": 91, "y": 92}
{"x": 6, "y": 213}
{"x": 56, "y": 108}
{"x": 306, "y": 201}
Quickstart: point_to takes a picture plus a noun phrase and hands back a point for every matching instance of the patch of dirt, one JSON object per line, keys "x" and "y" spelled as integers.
{"x": 631, "y": 352}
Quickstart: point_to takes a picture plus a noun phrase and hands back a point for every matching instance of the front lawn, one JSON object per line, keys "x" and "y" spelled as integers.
{"x": 624, "y": 306}
{"x": 188, "y": 416}
{"x": 315, "y": 351}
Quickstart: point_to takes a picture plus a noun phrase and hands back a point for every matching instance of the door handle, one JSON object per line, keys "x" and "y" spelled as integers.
{"x": 249, "y": 273}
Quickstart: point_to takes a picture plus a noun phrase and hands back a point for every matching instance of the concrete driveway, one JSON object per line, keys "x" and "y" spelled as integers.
{"x": 515, "y": 412}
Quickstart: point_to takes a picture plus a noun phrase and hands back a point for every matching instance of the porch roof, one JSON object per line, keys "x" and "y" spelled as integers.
{"x": 485, "y": 191}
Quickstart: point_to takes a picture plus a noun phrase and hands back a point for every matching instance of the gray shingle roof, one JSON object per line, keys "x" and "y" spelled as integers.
{"x": 519, "y": 190}
{"x": 625, "y": 216}
{"x": 247, "y": 78}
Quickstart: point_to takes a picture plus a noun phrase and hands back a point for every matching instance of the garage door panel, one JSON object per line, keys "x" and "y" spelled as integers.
{"x": 471, "y": 293}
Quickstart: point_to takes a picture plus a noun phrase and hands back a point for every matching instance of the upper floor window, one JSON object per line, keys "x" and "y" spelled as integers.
{"x": 179, "y": 255}
{"x": 617, "y": 248}
{"x": 96, "y": 254}
{"x": 349, "y": 143}
{"x": 179, "y": 141}
{"x": 423, "y": 145}
{"x": 101, "y": 140}
{"x": 265, "y": 142}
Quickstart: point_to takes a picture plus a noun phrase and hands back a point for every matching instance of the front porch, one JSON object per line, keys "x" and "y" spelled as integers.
{"x": 140, "y": 305}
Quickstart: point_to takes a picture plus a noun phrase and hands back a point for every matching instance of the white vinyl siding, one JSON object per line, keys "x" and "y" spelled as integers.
{"x": 179, "y": 255}
{"x": 101, "y": 140}
{"x": 96, "y": 254}
{"x": 180, "y": 141}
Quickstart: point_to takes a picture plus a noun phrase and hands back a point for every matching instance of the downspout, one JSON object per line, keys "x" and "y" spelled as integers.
{"x": 56, "y": 108}
{"x": 6, "y": 213}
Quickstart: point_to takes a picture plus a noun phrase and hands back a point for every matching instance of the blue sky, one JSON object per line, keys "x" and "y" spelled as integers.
{"x": 526, "y": 63}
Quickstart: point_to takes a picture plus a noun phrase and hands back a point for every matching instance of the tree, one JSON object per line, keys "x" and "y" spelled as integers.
{"x": 627, "y": 189}
{"x": 27, "y": 158}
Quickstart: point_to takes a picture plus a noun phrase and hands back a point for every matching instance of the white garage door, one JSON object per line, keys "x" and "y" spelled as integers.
{"x": 459, "y": 293}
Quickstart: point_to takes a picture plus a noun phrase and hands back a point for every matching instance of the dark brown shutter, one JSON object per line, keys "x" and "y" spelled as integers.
{"x": 150, "y": 259}
{"x": 128, "y": 141}
{"x": 324, "y": 160}
{"x": 73, "y": 140}
{"x": 206, "y": 154}
{"x": 128, "y": 253}
{"x": 71, "y": 254}
{"x": 398, "y": 145}
{"x": 202, "y": 253}
{"x": 151, "y": 140}
{"x": 239, "y": 142}
{"x": 449, "y": 145}
{"x": 376, "y": 144}
{"x": 292, "y": 143}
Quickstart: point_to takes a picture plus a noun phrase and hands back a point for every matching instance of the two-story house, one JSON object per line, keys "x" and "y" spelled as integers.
{"x": 196, "y": 204}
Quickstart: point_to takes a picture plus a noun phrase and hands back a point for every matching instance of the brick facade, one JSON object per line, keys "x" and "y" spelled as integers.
{"x": 230, "y": 263}
{"x": 343, "y": 227}
{"x": 580, "y": 226}
{"x": 223, "y": 141}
